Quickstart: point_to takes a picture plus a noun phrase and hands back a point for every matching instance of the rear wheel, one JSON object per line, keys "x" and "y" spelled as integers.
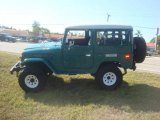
{"x": 109, "y": 77}
{"x": 32, "y": 80}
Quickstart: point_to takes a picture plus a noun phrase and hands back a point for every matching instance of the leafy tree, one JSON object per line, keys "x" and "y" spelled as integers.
{"x": 44, "y": 30}
{"x": 37, "y": 30}
{"x": 5, "y": 27}
{"x": 36, "y": 27}
{"x": 138, "y": 33}
{"x": 158, "y": 42}
{"x": 153, "y": 39}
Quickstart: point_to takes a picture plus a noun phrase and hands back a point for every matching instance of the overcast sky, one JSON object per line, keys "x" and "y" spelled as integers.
{"x": 57, "y": 14}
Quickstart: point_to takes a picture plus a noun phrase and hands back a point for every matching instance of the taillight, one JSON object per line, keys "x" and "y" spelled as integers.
{"x": 127, "y": 56}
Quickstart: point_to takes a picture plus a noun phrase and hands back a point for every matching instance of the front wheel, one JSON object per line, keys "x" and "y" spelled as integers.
{"x": 32, "y": 80}
{"x": 109, "y": 77}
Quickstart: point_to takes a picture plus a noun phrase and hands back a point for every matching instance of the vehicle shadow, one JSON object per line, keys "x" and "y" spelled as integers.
{"x": 137, "y": 97}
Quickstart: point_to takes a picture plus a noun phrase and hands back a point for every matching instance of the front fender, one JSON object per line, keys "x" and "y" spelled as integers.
{"x": 36, "y": 60}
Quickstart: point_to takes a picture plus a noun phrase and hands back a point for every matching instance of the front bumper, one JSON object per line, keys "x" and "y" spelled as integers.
{"x": 16, "y": 68}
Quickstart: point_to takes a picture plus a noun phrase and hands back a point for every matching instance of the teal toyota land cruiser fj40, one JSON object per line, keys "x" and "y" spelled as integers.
{"x": 100, "y": 50}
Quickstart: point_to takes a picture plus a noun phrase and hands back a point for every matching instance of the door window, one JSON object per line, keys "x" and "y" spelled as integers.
{"x": 78, "y": 37}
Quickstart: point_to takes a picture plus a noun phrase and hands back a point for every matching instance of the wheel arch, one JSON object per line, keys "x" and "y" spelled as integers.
{"x": 39, "y": 63}
{"x": 108, "y": 63}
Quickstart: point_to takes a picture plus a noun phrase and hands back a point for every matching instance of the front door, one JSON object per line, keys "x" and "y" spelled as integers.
{"x": 78, "y": 51}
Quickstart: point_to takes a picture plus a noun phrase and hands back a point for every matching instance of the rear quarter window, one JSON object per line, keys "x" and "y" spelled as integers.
{"x": 112, "y": 37}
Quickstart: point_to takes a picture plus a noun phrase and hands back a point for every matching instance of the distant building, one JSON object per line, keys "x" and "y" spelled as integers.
{"x": 151, "y": 45}
{"x": 53, "y": 36}
{"x": 16, "y": 33}
{"x": 150, "y": 49}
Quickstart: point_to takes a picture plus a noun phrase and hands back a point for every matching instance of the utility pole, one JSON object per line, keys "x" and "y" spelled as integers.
{"x": 108, "y": 16}
{"x": 156, "y": 38}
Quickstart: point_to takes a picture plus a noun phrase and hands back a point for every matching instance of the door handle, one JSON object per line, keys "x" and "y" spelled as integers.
{"x": 88, "y": 55}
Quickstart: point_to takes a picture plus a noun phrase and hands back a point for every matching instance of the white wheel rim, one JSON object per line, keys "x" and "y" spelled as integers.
{"x": 109, "y": 78}
{"x": 31, "y": 81}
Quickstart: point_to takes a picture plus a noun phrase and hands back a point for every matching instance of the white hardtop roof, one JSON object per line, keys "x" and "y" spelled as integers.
{"x": 121, "y": 27}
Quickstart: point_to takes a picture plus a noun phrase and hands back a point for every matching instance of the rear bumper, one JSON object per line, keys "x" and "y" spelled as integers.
{"x": 16, "y": 67}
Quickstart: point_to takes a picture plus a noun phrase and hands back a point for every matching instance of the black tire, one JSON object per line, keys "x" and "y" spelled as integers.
{"x": 109, "y": 77}
{"x": 32, "y": 80}
{"x": 139, "y": 49}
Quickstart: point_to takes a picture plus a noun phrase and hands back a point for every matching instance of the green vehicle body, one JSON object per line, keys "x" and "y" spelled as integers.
{"x": 61, "y": 58}
{"x": 99, "y": 50}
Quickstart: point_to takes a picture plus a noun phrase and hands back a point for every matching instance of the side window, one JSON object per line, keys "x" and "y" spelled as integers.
{"x": 78, "y": 37}
{"x": 108, "y": 37}
{"x": 113, "y": 37}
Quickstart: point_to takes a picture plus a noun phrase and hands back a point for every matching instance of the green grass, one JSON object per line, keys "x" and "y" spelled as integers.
{"x": 79, "y": 98}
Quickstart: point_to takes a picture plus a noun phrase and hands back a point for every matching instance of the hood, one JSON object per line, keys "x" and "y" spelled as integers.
{"x": 41, "y": 46}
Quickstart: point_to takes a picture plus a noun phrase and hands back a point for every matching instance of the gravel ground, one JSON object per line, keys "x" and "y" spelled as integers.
{"x": 13, "y": 47}
{"x": 151, "y": 64}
